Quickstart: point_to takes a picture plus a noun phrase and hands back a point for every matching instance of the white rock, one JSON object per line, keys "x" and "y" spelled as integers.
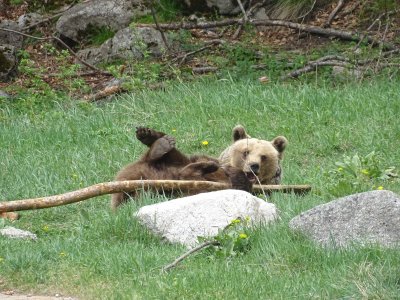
{"x": 185, "y": 219}
{"x": 16, "y": 233}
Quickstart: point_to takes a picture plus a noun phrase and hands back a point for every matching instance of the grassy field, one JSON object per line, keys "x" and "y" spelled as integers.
{"x": 85, "y": 250}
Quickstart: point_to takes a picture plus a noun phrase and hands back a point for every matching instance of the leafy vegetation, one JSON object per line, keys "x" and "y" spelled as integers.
{"x": 85, "y": 250}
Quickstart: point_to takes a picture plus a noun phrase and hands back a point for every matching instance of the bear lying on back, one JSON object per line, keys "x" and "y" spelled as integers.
{"x": 259, "y": 159}
{"x": 163, "y": 161}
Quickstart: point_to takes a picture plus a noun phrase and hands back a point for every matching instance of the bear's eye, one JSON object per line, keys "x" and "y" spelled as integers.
{"x": 245, "y": 153}
{"x": 263, "y": 157}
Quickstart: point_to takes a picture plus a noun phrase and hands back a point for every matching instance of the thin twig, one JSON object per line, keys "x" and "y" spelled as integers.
{"x": 186, "y": 55}
{"x": 53, "y": 37}
{"x": 333, "y": 14}
{"x": 191, "y": 251}
{"x": 47, "y": 19}
{"x": 309, "y": 11}
{"x": 153, "y": 13}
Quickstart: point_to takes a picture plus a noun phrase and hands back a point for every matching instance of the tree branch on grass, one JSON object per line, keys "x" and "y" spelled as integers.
{"x": 191, "y": 251}
{"x": 187, "y": 186}
{"x": 186, "y": 55}
{"x": 326, "y": 32}
{"x": 336, "y": 60}
{"x": 72, "y": 52}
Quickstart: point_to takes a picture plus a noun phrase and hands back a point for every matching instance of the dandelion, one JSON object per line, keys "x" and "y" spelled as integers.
{"x": 45, "y": 228}
{"x": 380, "y": 188}
{"x": 243, "y": 236}
{"x": 173, "y": 130}
{"x": 236, "y": 221}
{"x": 204, "y": 143}
{"x": 340, "y": 169}
{"x": 63, "y": 254}
{"x": 365, "y": 171}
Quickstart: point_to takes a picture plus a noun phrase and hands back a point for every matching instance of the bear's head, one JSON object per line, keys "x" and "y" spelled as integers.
{"x": 259, "y": 159}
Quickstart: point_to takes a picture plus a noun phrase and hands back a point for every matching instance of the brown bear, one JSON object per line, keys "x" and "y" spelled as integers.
{"x": 259, "y": 159}
{"x": 163, "y": 161}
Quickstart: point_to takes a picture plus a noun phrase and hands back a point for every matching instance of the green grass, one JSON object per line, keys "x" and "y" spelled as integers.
{"x": 85, "y": 250}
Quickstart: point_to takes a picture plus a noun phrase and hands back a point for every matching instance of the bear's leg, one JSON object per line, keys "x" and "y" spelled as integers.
{"x": 238, "y": 179}
{"x": 159, "y": 148}
{"x": 195, "y": 171}
{"x": 120, "y": 198}
{"x": 147, "y": 135}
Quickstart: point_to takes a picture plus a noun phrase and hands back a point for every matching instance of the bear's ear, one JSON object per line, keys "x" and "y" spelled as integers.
{"x": 280, "y": 143}
{"x": 239, "y": 133}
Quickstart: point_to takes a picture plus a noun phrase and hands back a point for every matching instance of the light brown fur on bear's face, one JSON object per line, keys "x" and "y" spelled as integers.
{"x": 259, "y": 159}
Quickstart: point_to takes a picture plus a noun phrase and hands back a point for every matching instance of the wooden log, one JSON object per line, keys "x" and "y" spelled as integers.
{"x": 186, "y": 186}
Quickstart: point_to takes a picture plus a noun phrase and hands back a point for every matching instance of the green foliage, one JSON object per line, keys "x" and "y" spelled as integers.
{"x": 96, "y": 35}
{"x": 360, "y": 173}
{"x": 166, "y": 11}
{"x": 99, "y": 254}
{"x": 379, "y": 6}
{"x": 232, "y": 241}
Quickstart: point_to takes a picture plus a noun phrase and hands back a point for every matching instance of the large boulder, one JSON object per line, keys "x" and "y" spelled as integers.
{"x": 128, "y": 43}
{"x": 364, "y": 218}
{"x": 10, "y": 38}
{"x": 115, "y": 14}
{"x": 8, "y": 62}
{"x": 184, "y": 220}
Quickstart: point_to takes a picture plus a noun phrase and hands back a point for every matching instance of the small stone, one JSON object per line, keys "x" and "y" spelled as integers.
{"x": 16, "y": 233}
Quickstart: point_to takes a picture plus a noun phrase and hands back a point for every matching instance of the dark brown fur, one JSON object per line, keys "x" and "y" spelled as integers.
{"x": 163, "y": 161}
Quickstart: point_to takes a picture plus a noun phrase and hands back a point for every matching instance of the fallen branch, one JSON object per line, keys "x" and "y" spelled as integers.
{"x": 333, "y": 14}
{"x": 327, "y": 32}
{"x": 191, "y": 251}
{"x": 329, "y": 60}
{"x": 104, "y": 188}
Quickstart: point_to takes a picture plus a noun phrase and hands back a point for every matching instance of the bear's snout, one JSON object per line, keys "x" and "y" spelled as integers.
{"x": 255, "y": 168}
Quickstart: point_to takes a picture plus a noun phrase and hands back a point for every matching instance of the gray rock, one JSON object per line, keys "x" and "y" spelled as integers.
{"x": 29, "y": 19}
{"x": 16, "y": 233}
{"x": 3, "y": 95}
{"x": 184, "y": 220}
{"x": 115, "y": 14}
{"x": 128, "y": 43}
{"x": 344, "y": 73}
{"x": 370, "y": 217}
{"x": 10, "y": 38}
{"x": 8, "y": 62}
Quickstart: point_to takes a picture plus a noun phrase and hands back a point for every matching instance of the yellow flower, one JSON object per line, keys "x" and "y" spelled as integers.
{"x": 243, "y": 236}
{"x": 173, "y": 130}
{"x": 340, "y": 169}
{"x": 236, "y": 221}
{"x": 45, "y": 228}
{"x": 204, "y": 143}
{"x": 365, "y": 172}
{"x": 380, "y": 188}
{"x": 63, "y": 254}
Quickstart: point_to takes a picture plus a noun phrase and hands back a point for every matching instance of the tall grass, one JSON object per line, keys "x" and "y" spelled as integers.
{"x": 85, "y": 250}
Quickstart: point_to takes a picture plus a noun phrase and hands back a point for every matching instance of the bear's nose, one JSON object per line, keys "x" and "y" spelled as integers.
{"x": 255, "y": 167}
